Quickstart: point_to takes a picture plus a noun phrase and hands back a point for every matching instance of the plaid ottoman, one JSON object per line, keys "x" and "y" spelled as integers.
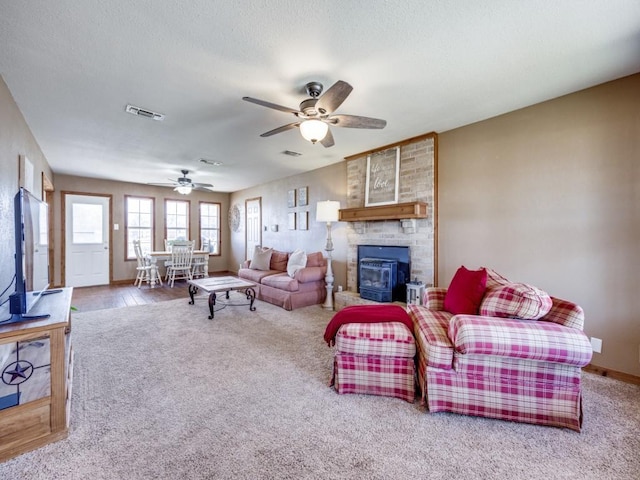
{"x": 375, "y": 359}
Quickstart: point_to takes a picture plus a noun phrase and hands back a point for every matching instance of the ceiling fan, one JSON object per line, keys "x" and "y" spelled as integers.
{"x": 184, "y": 185}
{"x": 316, "y": 113}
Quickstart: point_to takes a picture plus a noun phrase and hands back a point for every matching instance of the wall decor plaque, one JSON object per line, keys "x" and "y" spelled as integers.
{"x": 383, "y": 178}
{"x": 234, "y": 218}
{"x": 291, "y": 198}
{"x": 303, "y": 221}
{"x": 303, "y": 196}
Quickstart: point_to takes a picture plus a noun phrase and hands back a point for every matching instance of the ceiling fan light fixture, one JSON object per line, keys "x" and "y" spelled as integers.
{"x": 314, "y": 130}
{"x": 184, "y": 189}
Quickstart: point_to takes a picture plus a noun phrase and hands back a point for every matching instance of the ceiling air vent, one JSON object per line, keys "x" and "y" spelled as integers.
{"x": 292, "y": 154}
{"x": 144, "y": 113}
{"x": 214, "y": 163}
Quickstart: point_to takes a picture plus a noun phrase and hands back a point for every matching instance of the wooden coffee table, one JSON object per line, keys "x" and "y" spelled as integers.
{"x": 215, "y": 285}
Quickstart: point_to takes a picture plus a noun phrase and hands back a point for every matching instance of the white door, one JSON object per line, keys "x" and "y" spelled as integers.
{"x": 86, "y": 240}
{"x": 253, "y": 214}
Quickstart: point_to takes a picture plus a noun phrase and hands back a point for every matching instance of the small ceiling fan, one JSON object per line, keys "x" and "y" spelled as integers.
{"x": 184, "y": 185}
{"x": 316, "y": 113}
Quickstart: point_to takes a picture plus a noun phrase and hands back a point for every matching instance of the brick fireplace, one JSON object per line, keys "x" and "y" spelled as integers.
{"x": 416, "y": 183}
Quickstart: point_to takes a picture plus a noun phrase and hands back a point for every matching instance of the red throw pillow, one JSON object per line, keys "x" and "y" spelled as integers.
{"x": 466, "y": 291}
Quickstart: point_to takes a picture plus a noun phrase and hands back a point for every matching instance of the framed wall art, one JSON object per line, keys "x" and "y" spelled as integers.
{"x": 292, "y": 220}
{"x": 303, "y": 221}
{"x": 303, "y": 199}
{"x": 291, "y": 198}
{"x": 25, "y": 173}
{"x": 383, "y": 178}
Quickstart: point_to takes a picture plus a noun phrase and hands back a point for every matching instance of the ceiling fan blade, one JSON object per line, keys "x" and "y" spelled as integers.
{"x": 281, "y": 129}
{"x": 354, "y": 121}
{"x": 163, "y": 184}
{"x": 333, "y": 98}
{"x": 270, "y": 105}
{"x": 327, "y": 141}
{"x": 203, "y": 187}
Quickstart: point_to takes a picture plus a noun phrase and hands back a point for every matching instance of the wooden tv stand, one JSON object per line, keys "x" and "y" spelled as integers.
{"x": 36, "y": 366}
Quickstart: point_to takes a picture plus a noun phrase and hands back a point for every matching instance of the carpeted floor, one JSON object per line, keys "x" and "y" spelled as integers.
{"x": 161, "y": 392}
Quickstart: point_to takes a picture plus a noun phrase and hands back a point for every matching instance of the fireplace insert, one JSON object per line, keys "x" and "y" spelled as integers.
{"x": 392, "y": 259}
{"x": 378, "y": 276}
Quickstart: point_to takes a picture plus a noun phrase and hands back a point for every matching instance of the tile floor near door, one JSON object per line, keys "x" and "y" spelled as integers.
{"x": 87, "y": 299}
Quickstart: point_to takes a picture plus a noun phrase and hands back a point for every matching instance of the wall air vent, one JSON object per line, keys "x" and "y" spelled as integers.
{"x": 144, "y": 113}
{"x": 292, "y": 154}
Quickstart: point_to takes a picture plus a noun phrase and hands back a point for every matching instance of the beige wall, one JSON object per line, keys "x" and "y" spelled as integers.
{"x": 328, "y": 183}
{"x": 15, "y": 140}
{"x": 126, "y": 270}
{"x": 550, "y": 195}
{"x": 547, "y": 195}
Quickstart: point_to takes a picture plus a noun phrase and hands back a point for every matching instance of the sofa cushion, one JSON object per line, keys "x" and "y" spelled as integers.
{"x": 494, "y": 279}
{"x": 311, "y": 274}
{"x": 433, "y": 298}
{"x": 565, "y": 313}
{"x": 505, "y": 337}
{"x": 384, "y": 339}
{"x": 297, "y": 260}
{"x": 315, "y": 259}
{"x": 281, "y": 281}
{"x": 261, "y": 258}
{"x": 466, "y": 291}
{"x": 279, "y": 261}
{"x": 516, "y": 300}
{"x": 255, "y": 276}
{"x": 431, "y": 330}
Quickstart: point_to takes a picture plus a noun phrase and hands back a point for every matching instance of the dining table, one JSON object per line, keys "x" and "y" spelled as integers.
{"x": 166, "y": 255}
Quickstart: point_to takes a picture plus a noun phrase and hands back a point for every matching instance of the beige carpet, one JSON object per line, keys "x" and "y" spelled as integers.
{"x": 162, "y": 392}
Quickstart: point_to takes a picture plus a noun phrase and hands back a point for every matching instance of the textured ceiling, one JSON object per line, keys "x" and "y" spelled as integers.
{"x": 73, "y": 66}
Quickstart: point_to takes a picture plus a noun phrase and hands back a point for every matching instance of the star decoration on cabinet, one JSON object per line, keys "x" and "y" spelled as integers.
{"x": 22, "y": 370}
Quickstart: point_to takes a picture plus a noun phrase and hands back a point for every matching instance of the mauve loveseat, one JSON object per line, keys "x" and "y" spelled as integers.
{"x": 496, "y": 364}
{"x": 307, "y": 287}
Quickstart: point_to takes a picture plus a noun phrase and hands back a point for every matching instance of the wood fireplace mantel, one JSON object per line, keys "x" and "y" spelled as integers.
{"x": 396, "y": 211}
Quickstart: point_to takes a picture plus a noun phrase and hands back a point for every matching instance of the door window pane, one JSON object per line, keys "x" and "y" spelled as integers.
{"x": 86, "y": 223}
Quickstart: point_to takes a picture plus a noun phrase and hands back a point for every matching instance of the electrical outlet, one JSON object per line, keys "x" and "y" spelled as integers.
{"x": 596, "y": 344}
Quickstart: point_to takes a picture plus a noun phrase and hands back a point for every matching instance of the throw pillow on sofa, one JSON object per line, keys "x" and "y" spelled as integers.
{"x": 297, "y": 261}
{"x": 465, "y": 291}
{"x": 261, "y": 258}
{"x": 315, "y": 259}
{"x": 494, "y": 279}
{"x": 516, "y": 300}
{"x": 279, "y": 260}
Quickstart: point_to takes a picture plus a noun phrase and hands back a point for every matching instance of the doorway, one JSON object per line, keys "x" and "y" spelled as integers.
{"x": 253, "y": 230}
{"x": 87, "y": 239}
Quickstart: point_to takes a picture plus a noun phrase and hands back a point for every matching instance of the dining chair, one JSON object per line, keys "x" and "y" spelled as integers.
{"x": 181, "y": 256}
{"x": 168, "y": 244}
{"x": 145, "y": 267}
{"x": 199, "y": 263}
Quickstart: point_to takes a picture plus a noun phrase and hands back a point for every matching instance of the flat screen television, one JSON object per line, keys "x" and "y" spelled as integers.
{"x": 32, "y": 255}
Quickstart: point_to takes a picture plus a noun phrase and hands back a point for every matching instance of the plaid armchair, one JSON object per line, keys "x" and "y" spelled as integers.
{"x": 505, "y": 368}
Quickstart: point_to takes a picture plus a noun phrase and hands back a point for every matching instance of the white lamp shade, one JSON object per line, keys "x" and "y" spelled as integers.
{"x": 327, "y": 211}
{"x": 184, "y": 189}
{"x": 314, "y": 130}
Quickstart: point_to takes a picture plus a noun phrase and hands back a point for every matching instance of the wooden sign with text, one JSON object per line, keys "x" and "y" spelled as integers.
{"x": 383, "y": 176}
